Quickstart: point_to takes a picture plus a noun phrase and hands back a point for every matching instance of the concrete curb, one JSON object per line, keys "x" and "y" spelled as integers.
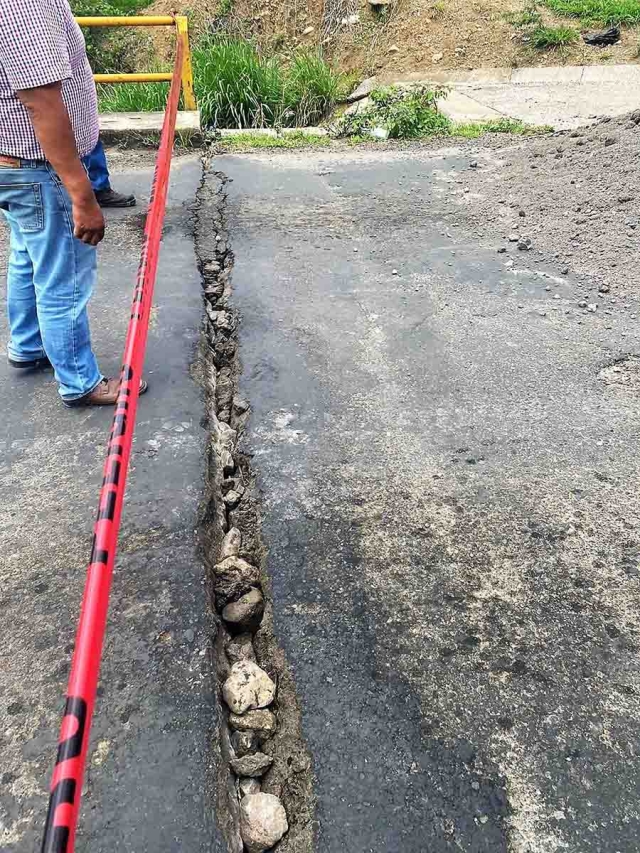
{"x": 118, "y": 126}
{"x": 272, "y": 132}
{"x": 550, "y": 75}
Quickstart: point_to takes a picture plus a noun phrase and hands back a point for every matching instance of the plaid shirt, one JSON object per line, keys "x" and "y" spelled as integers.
{"x": 40, "y": 43}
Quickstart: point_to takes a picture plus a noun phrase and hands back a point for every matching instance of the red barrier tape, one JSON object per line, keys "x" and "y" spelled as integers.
{"x": 66, "y": 785}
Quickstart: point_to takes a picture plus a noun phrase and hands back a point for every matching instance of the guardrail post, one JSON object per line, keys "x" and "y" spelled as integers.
{"x": 188, "y": 94}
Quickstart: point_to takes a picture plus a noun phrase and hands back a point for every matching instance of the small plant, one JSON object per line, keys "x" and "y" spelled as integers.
{"x": 592, "y": 12}
{"x": 545, "y": 38}
{"x": 402, "y": 113}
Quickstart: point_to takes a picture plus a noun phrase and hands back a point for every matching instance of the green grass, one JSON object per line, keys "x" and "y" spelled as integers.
{"x": 236, "y": 86}
{"x": 107, "y": 7}
{"x": 473, "y": 130}
{"x": 133, "y": 97}
{"x": 592, "y": 12}
{"x": 545, "y": 38}
{"x": 251, "y": 140}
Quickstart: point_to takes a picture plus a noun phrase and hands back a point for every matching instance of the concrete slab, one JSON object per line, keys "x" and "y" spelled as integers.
{"x": 551, "y": 76}
{"x": 460, "y": 107}
{"x": 441, "y": 75}
{"x": 561, "y": 106}
{"x": 150, "y": 768}
{"x": 623, "y": 75}
{"x": 116, "y": 125}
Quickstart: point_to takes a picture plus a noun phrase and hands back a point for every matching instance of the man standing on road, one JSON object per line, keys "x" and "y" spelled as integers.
{"x": 48, "y": 121}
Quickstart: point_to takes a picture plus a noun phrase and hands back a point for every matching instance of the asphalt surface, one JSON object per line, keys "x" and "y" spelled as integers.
{"x": 450, "y": 500}
{"x": 150, "y": 771}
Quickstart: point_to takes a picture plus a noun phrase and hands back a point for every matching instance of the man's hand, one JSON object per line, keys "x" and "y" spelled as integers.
{"x": 88, "y": 221}
{"x": 53, "y": 128}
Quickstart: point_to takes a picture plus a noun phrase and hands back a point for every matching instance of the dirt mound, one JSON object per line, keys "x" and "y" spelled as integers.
{"x": 574, "y": 195}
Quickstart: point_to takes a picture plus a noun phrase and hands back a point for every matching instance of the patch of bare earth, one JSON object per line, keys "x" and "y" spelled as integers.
{"x": 411, "y": 35}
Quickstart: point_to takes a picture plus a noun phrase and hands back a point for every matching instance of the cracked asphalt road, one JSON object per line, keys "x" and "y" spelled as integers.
{"x": 446, "y": 444}
{"x": 148, "y": 779}
{"x": 450, "y": 498}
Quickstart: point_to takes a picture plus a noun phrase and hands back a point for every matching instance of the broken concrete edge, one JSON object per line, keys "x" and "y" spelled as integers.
{"x": 139, "y": 128}
{"x": 259, "y": 733}
{"x": 545, "y": 75}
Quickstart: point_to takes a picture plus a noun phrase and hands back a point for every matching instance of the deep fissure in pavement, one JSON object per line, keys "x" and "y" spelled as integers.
{"x": 260, "y": 749}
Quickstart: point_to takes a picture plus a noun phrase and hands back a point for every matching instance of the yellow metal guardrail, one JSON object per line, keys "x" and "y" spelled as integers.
{"x": 182, "y": 32}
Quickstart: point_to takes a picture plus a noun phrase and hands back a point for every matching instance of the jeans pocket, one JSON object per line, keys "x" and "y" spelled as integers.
{"x": 23, "y": 203}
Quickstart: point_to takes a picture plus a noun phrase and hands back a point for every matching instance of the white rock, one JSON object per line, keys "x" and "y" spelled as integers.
{"x": 248, "y": 687}
{"x": 308, "y": 31}
{"x": 394, "y": 49}
{"x": 224, "y": 436}
{"x": 263, "y": 821}
{"x": 231, "y": 544}
{"x": 248, "y": 786}
{"x": 437, "y": 57}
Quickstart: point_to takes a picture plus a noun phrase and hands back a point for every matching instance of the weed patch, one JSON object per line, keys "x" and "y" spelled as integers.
{"x": 546, "y": 38}
{"x": 592, "y": 12}
{"x": 133, "y": 97}
{"x": 401, "y": 113}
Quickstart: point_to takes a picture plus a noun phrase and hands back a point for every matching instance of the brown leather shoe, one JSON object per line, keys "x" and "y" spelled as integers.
{"x": 105, "y": 394}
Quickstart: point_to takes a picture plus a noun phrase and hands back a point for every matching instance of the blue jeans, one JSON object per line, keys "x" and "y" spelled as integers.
{"x": 50, "y": 278}
{"x": 96, "y": 165}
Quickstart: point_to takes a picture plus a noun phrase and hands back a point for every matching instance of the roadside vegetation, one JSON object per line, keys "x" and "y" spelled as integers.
{"x": 398, "y": 113}
{"x": 237, "y": 86}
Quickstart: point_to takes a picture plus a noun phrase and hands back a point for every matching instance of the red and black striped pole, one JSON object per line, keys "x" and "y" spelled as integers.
{"x": 68, "y": 774}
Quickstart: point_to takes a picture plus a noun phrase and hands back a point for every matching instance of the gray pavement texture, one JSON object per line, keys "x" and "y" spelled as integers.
{"x": 564, "y": 97}
{"x": 445, "y": 437}
{"x": 149, "y": 773}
